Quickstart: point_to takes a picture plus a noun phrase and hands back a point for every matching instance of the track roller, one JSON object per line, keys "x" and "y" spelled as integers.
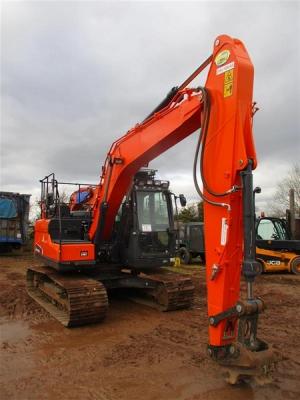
{"x": 72, "y": 300}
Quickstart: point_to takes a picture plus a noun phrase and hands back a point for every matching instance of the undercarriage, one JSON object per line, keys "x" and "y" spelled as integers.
{"x": 72, "y": 300}
{"x": 77, "y": 299}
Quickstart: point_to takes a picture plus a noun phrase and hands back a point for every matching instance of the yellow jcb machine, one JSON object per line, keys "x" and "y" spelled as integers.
{"x": 275, "y": 249}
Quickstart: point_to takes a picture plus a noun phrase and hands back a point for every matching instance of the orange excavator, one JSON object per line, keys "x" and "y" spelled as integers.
{"x": 118, "y": 233}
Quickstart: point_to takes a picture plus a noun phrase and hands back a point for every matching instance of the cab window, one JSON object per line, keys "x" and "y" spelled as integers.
{"x": 267, "y": 231}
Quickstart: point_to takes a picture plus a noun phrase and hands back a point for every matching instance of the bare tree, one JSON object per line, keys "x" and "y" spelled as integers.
{"x": 281, "y": 198}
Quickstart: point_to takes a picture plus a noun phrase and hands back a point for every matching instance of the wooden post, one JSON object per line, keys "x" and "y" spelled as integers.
{"x": 292, "y": 212}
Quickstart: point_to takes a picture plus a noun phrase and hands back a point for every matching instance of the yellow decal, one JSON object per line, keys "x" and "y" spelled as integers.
{"x": 228, "y": 83}
{"x": 222, "y": 57}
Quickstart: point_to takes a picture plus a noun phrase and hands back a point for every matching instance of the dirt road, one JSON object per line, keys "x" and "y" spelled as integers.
{"x": 137, "y": 353}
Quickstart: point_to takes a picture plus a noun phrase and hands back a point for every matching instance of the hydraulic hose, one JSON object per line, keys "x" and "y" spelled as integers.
{"x": 172, "y": 93}
{"x": 201, "y": 143}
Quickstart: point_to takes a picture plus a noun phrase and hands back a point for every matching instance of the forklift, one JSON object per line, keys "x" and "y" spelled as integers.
{"x": 275, "y": 249}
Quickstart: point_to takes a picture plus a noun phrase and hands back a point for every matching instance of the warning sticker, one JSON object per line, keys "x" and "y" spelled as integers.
{"x": 224, "y": 231}
{"x": 228, "y": 83}
{"x": 146, "y": 228}
{"x": 228, "y": 76}
{"x": 224, "y": 68}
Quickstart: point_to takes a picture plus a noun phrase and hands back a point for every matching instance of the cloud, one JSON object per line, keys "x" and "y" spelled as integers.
{"x": 77, "y": 75}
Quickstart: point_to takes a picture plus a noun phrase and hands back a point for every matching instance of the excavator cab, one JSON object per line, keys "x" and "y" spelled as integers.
{"x": 144, "y": 226}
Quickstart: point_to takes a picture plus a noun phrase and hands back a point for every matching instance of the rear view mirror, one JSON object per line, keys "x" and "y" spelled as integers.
{"x": 182, "y": 200}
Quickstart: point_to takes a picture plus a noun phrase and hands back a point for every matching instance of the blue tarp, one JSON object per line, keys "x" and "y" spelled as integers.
{"x": 82, "y": 196}
{"x": 7, "y": 208}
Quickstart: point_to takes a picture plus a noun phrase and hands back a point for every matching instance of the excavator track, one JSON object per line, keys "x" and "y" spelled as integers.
{"x": 72, "y": 300}
{"x": 172, "y": 291}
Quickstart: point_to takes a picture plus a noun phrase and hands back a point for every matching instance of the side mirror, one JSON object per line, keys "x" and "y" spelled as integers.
{"x": 182, "y": 200}
{"x": 257, "y": 190}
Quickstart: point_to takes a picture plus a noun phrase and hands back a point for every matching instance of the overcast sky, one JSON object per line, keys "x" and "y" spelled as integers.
{"x": 77, "y": 75}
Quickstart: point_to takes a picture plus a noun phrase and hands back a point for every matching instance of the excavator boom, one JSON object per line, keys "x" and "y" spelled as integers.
{"x": 136, "y": 149}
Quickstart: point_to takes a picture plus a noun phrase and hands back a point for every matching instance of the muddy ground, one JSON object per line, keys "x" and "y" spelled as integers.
{"x": 137, "y": 353}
